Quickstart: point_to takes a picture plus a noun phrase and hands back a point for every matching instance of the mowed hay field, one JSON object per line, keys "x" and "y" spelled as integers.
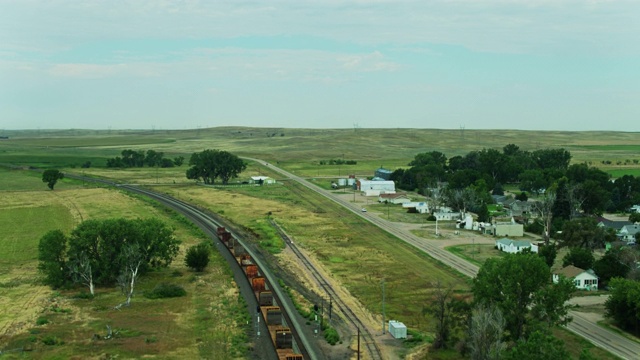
{"x": 207, "y": 323}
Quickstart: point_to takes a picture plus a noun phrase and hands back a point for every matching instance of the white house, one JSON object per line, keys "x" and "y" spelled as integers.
{"x": 583, "y": 279}
{"x": 397, "y": 198}
{"x": 628, "y": 233}
{"x": 515, "y": 246}
{"x": 375, "y": 188}
{"x": 262, "y": 180}
{"x": 635, "y": 208}
{"x": 446, "y": 215}
{"x": 420, "y": 207}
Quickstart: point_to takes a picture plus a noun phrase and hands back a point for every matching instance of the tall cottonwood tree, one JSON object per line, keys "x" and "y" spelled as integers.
{"x": 209, "y": 165}
{"x": 516, "y": 284}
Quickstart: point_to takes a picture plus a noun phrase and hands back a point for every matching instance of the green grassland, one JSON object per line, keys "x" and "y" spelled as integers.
{"x": 356, "y": 253}
{"x": 301, "y": 150}
{"x": 56, "y": 324}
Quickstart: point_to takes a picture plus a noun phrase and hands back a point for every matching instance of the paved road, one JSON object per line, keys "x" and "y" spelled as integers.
{"x": 581, "y": 325}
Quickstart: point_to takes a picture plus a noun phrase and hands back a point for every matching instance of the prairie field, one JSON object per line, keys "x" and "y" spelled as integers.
{"x": 356, "y": 254}
{"x": 58, "y": 324}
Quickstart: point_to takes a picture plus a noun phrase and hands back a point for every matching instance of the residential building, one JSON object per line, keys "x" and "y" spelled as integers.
{"x": 582, "y": 279}
{"x": 397, "y": 198}
{"x": 515, "y": 246}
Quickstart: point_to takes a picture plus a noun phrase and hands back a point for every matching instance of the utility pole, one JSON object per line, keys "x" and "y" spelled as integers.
{"x": 383, "y": 321}
{"x": 358, "y": 343}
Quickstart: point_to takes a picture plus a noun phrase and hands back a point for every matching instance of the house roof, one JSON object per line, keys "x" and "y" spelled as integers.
{"x": 393, "y": 196}
{"x": 518, "y": 243}
{"x": 612, "y": 224}
{"x": 570, "y": 271}
{"x": 630, "y": 229}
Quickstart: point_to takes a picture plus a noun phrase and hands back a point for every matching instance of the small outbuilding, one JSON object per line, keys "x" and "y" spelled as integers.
{"x": 397, "y": 329}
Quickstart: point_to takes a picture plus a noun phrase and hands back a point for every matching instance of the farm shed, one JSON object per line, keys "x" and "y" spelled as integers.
{"x": 375, "y": 188}
{"x": 397, "y": 329}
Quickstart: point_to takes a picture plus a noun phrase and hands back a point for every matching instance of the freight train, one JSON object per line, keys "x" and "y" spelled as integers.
{"x": 280, "y": 334}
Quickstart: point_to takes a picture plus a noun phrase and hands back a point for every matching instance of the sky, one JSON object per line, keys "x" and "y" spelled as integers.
{"x": 447, "y": 64}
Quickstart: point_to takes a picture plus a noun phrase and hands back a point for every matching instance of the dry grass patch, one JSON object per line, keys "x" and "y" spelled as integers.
{"x": 355, "y": 253}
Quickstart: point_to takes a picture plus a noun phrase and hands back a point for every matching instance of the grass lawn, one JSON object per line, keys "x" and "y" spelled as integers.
{"x": 206, "y": 323}
{"x": 477, "y": 254}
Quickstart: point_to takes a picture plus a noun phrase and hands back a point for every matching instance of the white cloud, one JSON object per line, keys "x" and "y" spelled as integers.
{"x": 96, "y": 71}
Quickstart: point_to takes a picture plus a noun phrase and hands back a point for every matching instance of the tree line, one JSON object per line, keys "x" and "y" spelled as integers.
{"x": 151, "y": 158}
{"x": 578, "y": 187}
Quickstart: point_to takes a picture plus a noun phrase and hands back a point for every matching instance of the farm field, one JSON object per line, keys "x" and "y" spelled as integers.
{"x": 58, "y": 324}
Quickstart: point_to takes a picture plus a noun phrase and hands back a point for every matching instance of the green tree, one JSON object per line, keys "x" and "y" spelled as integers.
{"x": 153, "y": 158}
{"x": 483, "y": 213}
{"x": 585, "y": 233}
{"x": 486, "y": 331}
{"x": 209, "y": 165}
{"x": 532, "y": 181}
{"x": 610, "y": 266}
{"x": 104, "y": 240}
{"x": 562, "y": 205}
{"x": 449, "y": 313}
{"x": 579, "y": 257}
{"x": 197, "y": 257}
{"x": 178, "y": 160}
{"x": 51, "y": 177}
{"x": 623, "y": 304}
{"x": 550, "y": 303}
{"x": 52, "y": 258}
{"x": 634, "y": 217}
{"x": 539, "y": 345}
{"x": 548, "y": 253}
{"x": 511, "y": 283}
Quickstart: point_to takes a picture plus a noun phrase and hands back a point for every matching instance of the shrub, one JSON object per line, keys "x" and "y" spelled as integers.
{"x": 164, "y": 290}
{"x": 83, "y": 295}
{"x": 52, "y": 340}
{"x": 42, "y": 321}
{"x": 331, "y": 335}
{"x": 197, "y": 257}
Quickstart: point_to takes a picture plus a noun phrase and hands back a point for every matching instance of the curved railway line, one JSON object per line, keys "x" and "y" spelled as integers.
{"x": 370, "y": 343}
{"x": 211, "y": 226}
{"x": 205, "y": 221}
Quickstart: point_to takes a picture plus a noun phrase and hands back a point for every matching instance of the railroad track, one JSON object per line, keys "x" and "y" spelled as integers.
{"x": 210, "y": 226}
{"x": 350, "y": 316}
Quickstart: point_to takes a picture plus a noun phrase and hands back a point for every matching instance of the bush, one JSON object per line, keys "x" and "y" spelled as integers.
{"x": 164, "y": 290}
{"x": 331, "y": 335}
{"x": 197, "y": 257}
{"x": 42, "y": 321}
{"x": 52, "y": 340}
{"x": 83, "y": 295}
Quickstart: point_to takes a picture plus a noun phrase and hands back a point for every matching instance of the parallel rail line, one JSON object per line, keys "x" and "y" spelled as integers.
{"x": 337, "y": 301}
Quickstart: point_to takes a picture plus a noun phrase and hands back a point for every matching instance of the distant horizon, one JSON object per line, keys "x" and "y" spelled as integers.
{"x": 297, "y": 128}
{"x": 562, "y": 65}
